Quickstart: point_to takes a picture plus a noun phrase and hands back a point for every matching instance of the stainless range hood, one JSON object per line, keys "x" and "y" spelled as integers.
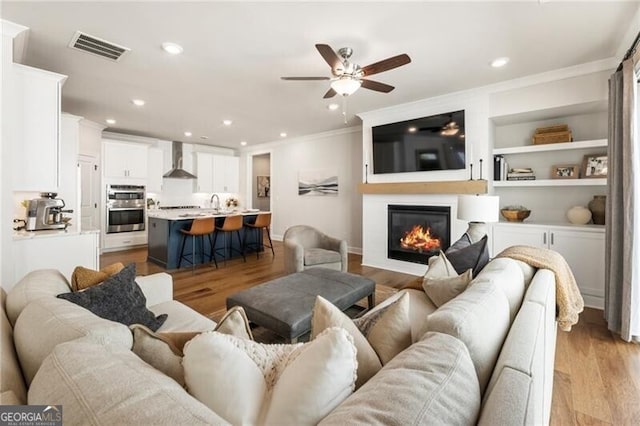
{"x": 177, "y": 172}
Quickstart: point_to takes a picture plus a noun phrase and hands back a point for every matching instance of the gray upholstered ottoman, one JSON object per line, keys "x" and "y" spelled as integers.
{"x": 284, "y": 305}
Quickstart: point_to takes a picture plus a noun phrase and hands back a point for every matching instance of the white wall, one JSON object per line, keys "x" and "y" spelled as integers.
{"x": 339, "y": 216}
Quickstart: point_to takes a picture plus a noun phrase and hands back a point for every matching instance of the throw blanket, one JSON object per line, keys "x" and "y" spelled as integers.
{"x": 569, "y": 301}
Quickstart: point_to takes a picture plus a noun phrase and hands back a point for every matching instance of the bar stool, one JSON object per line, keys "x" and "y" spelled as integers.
{"x": 263, "y": 221}
{"x": 199, "y": 228}
{"x": 230, "y": 224}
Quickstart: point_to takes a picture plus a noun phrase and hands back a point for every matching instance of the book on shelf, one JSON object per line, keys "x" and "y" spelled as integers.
{"x": 521, "y": 178}
{"x": 500, "y": 167}
{"x": 520, "y": 174}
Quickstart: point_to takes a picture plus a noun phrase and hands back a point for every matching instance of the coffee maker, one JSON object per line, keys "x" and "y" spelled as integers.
{"x": 46, "y": 213}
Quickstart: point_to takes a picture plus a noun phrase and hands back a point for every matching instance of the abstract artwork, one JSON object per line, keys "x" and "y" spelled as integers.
{"x": 317, "y": 182}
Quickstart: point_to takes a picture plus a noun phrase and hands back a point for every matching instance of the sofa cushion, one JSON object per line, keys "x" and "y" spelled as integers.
{"x": 164, "y": 351}
{"x": 251, "y": 383}
{"x": 318, "y": 256}
{"x": 119, "y": 299}
{"x": 432, "y": 382}
{"x": 12, "y": 387}
{"x": 442, "y": 289}
{"x": 100, "y": 385}
{"x": 82, "y": 277}
{"x": 472, "y": 256}
{"x": 180, "y": 317}
{"x": 46, "y": 322}
{"x": 34, "y": 285}
{"x": 480, "y": 318}
{"x": 507, "y": 276}
{"x": 522, "y": 352}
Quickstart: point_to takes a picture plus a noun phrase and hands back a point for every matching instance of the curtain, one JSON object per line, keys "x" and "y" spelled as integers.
{"x": 622, "y": 249}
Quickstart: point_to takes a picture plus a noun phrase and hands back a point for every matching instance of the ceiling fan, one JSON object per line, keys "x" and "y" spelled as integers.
{"x": 348, "y": 76}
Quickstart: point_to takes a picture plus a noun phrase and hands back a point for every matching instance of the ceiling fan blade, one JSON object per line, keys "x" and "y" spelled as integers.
{"x": 329, "y": 55}
{"x": 386, "y": 64}
{"x": 330, "y": 94}
{"x": 304, "y": 78}
{"x": 377, "y": 86}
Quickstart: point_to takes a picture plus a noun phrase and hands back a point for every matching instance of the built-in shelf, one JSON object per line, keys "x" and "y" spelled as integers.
{"x": 550, "y": 182}
{"x": 597, "y": 143}
{"x": 443, "y": 187}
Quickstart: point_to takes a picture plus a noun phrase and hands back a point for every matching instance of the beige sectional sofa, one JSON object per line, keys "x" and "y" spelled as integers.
{"x": 484, "y": 357}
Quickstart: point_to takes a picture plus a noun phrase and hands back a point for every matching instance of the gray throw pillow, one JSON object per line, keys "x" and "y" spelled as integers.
{"x": 118, "y": 298}
{"x": 463, "y": 255}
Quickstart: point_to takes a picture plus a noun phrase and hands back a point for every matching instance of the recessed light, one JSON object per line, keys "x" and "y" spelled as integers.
{"x": 204, "y": 137}
{"x": 333, "y": 107}
{"x": 283, "y": 135}
{"x": 172, "y": 48}
{"x": 243, "y": 143}
{"x": 110, "y": 121}
{"x": 137, "y": 102}
{"x": 500, "y": 62}
{"x": 412, "y": 129}
{"x": 187, "y": 134}
{"x": 227, "y": 122}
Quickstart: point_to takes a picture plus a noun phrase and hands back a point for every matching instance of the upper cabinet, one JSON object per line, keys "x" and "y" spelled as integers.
{"x": 35, "y": 128}
{"x": 154, "y": 181}
{"x": 216, "y": 173}
{"x": 125, "y": 161}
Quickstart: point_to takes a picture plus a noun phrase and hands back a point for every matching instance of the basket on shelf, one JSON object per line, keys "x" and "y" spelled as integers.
{"x": 513, "y": 215}
{"x": 552, "y": 134}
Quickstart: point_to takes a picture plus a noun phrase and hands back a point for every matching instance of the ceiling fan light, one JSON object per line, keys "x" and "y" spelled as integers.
{"x": 345, "y": 86}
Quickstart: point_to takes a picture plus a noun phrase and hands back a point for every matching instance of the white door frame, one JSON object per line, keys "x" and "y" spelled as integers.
{"x": 249, "y": 176}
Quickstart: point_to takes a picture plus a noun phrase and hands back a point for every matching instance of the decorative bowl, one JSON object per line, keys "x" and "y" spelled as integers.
{"x": 515, "y": 215}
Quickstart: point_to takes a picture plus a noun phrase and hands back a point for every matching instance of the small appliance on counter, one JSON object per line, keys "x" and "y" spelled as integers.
{"x": 46, "y": 213}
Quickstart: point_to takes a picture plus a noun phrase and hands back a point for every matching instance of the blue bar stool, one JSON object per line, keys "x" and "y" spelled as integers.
{"x": 263, "y": 221}
{"x": 199, "y": 228}
{"x": 230, "y": 224}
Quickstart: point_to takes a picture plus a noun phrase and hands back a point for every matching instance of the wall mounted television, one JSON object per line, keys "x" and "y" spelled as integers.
{"x": 423, "y": 144}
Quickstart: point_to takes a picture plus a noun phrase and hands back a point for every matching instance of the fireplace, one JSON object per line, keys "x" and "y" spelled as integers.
{"x": 415, "y": 233}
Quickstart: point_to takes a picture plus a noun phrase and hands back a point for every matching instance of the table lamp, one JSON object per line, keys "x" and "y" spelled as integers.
{"x": 478, "y": 210}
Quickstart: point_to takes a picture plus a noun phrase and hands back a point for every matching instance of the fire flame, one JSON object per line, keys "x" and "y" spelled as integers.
{"x": 420, "y": 239}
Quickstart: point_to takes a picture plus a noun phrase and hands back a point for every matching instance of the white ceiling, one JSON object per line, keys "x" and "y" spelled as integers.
{"x": 235, "y": 53}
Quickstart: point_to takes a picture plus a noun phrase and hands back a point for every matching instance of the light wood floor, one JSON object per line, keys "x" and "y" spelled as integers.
{"x": 597, "y": 375}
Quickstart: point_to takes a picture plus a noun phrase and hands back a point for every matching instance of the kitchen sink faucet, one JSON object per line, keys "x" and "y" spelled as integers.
{"x": 217, "y": 205}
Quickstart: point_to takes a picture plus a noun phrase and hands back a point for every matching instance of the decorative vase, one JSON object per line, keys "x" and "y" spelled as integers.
{"x": 579, "y": 215}
{"x": 597, "y": 207}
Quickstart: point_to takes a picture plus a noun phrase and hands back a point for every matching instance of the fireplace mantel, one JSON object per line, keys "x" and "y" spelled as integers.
{"x": 438, "y": 187}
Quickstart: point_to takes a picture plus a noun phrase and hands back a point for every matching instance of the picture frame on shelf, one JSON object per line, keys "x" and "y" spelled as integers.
{"x": 565, "y": 171}
{"x": 595, "y": 166}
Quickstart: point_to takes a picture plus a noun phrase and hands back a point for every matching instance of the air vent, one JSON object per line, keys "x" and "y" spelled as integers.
{"x": 97, "y": 46}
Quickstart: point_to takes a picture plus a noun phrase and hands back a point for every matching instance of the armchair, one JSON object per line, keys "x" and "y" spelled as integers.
{"x": 305, "y": 247}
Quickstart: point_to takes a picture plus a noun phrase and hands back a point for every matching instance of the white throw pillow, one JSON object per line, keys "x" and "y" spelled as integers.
{"x": 252, "y": 383}
{"x": 379, "y": 335}
{"x": 441, "y": 282}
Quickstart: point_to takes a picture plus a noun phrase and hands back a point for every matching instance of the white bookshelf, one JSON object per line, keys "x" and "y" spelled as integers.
{"x": 597, "y": 143}
{"x": 550, "y": 182}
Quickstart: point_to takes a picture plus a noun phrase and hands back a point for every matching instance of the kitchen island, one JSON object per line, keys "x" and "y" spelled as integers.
{"x": 165, "y": 238}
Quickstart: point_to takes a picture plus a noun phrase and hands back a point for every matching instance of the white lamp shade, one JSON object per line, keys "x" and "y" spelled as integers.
{"x": 478, "y": 208}
{"x": 345, "y": 86}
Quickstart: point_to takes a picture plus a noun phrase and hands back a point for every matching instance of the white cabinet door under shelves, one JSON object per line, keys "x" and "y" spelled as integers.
{"x": 154, "y": 179}
{"x": 125, "y": 160}
{"x": 582, "y": 249}
{"x": 35, "y": 121}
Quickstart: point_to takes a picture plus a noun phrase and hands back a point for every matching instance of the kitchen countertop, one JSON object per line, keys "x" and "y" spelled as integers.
{"x": 71, "y": 230}
{"x": 188, "y": 214}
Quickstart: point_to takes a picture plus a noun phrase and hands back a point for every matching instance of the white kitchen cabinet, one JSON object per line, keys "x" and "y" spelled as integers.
{"x": 124, "y": 240}
{"x": 55, "y": 250}
{"x": 125, "y": 160}
{"x": 217, "y": 173}
{"x": 35, "y": 128}
{"x": 582, "y": 248}
{"x": 155, "y": 169}
{"x": 226, "y": 173}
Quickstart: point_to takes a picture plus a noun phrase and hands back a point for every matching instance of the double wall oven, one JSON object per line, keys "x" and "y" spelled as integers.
{"x": 126, "y": 208}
